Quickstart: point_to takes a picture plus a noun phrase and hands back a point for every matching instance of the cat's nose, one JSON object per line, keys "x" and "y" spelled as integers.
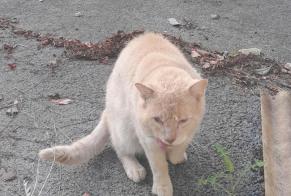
{"x": 170, "y": 135}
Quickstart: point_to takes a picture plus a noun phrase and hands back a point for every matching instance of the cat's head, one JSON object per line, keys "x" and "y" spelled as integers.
{"x": 171, "y": 117}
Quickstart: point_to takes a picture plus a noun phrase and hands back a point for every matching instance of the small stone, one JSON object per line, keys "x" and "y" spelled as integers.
{"x": 174, "y": 22}
{"x": 40, "y": 0}
{"x": 254, "y": 51}
{"x": 78, "y": 14}
{"x": 13, "y": 111}
{"x": 287, "y": 66}
{"x": 9, "y": 175}
{"x": 214, "y": 16}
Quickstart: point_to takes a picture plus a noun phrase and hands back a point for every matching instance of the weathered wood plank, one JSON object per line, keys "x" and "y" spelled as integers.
{"x": 276, "y": 134}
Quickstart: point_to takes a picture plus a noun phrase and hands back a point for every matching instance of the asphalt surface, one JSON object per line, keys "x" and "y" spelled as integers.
{"x": 232, "y": 118}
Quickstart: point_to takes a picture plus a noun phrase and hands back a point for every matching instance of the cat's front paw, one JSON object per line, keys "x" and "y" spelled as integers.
{"x": 163, "y": 189}
{"x": 136, "y": 173}
{"x": 177, "y": 159}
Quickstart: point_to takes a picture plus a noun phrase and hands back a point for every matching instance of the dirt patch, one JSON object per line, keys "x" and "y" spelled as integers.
{"x": 110, "y": 47}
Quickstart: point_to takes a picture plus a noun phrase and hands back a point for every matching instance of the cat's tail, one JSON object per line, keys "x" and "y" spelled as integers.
{"x": 82, "y": 150}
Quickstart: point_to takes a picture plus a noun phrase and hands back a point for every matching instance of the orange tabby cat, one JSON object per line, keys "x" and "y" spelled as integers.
{"x": 154, "y": 104}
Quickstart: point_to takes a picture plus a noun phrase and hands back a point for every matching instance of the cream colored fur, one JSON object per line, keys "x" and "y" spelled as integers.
{"x": 154, "y": 104}
{"x": 276, "y": 136}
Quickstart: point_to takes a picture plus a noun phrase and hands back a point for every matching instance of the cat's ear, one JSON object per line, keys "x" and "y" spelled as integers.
{"x": 198, "y": 88}
{"x": 145, "y": 91}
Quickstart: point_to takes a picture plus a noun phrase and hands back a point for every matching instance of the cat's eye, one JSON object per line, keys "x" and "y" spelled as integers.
{"x": 182, "y": 121}
{"x": 158, "y": 120}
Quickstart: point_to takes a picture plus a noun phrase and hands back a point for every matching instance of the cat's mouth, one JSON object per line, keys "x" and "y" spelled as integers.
{"x": 163, "y": 145}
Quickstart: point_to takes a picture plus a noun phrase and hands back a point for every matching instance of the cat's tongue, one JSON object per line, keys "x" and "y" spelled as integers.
{"x": 162, "y": 145}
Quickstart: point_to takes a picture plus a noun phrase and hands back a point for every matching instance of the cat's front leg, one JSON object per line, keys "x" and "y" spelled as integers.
{"x": 162, "y": 185}
{"x": 177, "y": 154}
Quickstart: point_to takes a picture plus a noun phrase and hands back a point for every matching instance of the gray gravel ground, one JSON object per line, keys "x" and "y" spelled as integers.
{"x": 233, "y": 113}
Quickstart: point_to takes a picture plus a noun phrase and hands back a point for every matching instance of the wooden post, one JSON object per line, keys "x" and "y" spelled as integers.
{"x": 276, "y": 136}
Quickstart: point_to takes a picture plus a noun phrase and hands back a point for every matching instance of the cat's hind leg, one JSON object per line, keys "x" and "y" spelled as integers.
{"x": 126, "y": 145}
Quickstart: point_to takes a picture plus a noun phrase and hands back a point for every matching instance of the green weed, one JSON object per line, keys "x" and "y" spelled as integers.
{"x": 229, "y": 179}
